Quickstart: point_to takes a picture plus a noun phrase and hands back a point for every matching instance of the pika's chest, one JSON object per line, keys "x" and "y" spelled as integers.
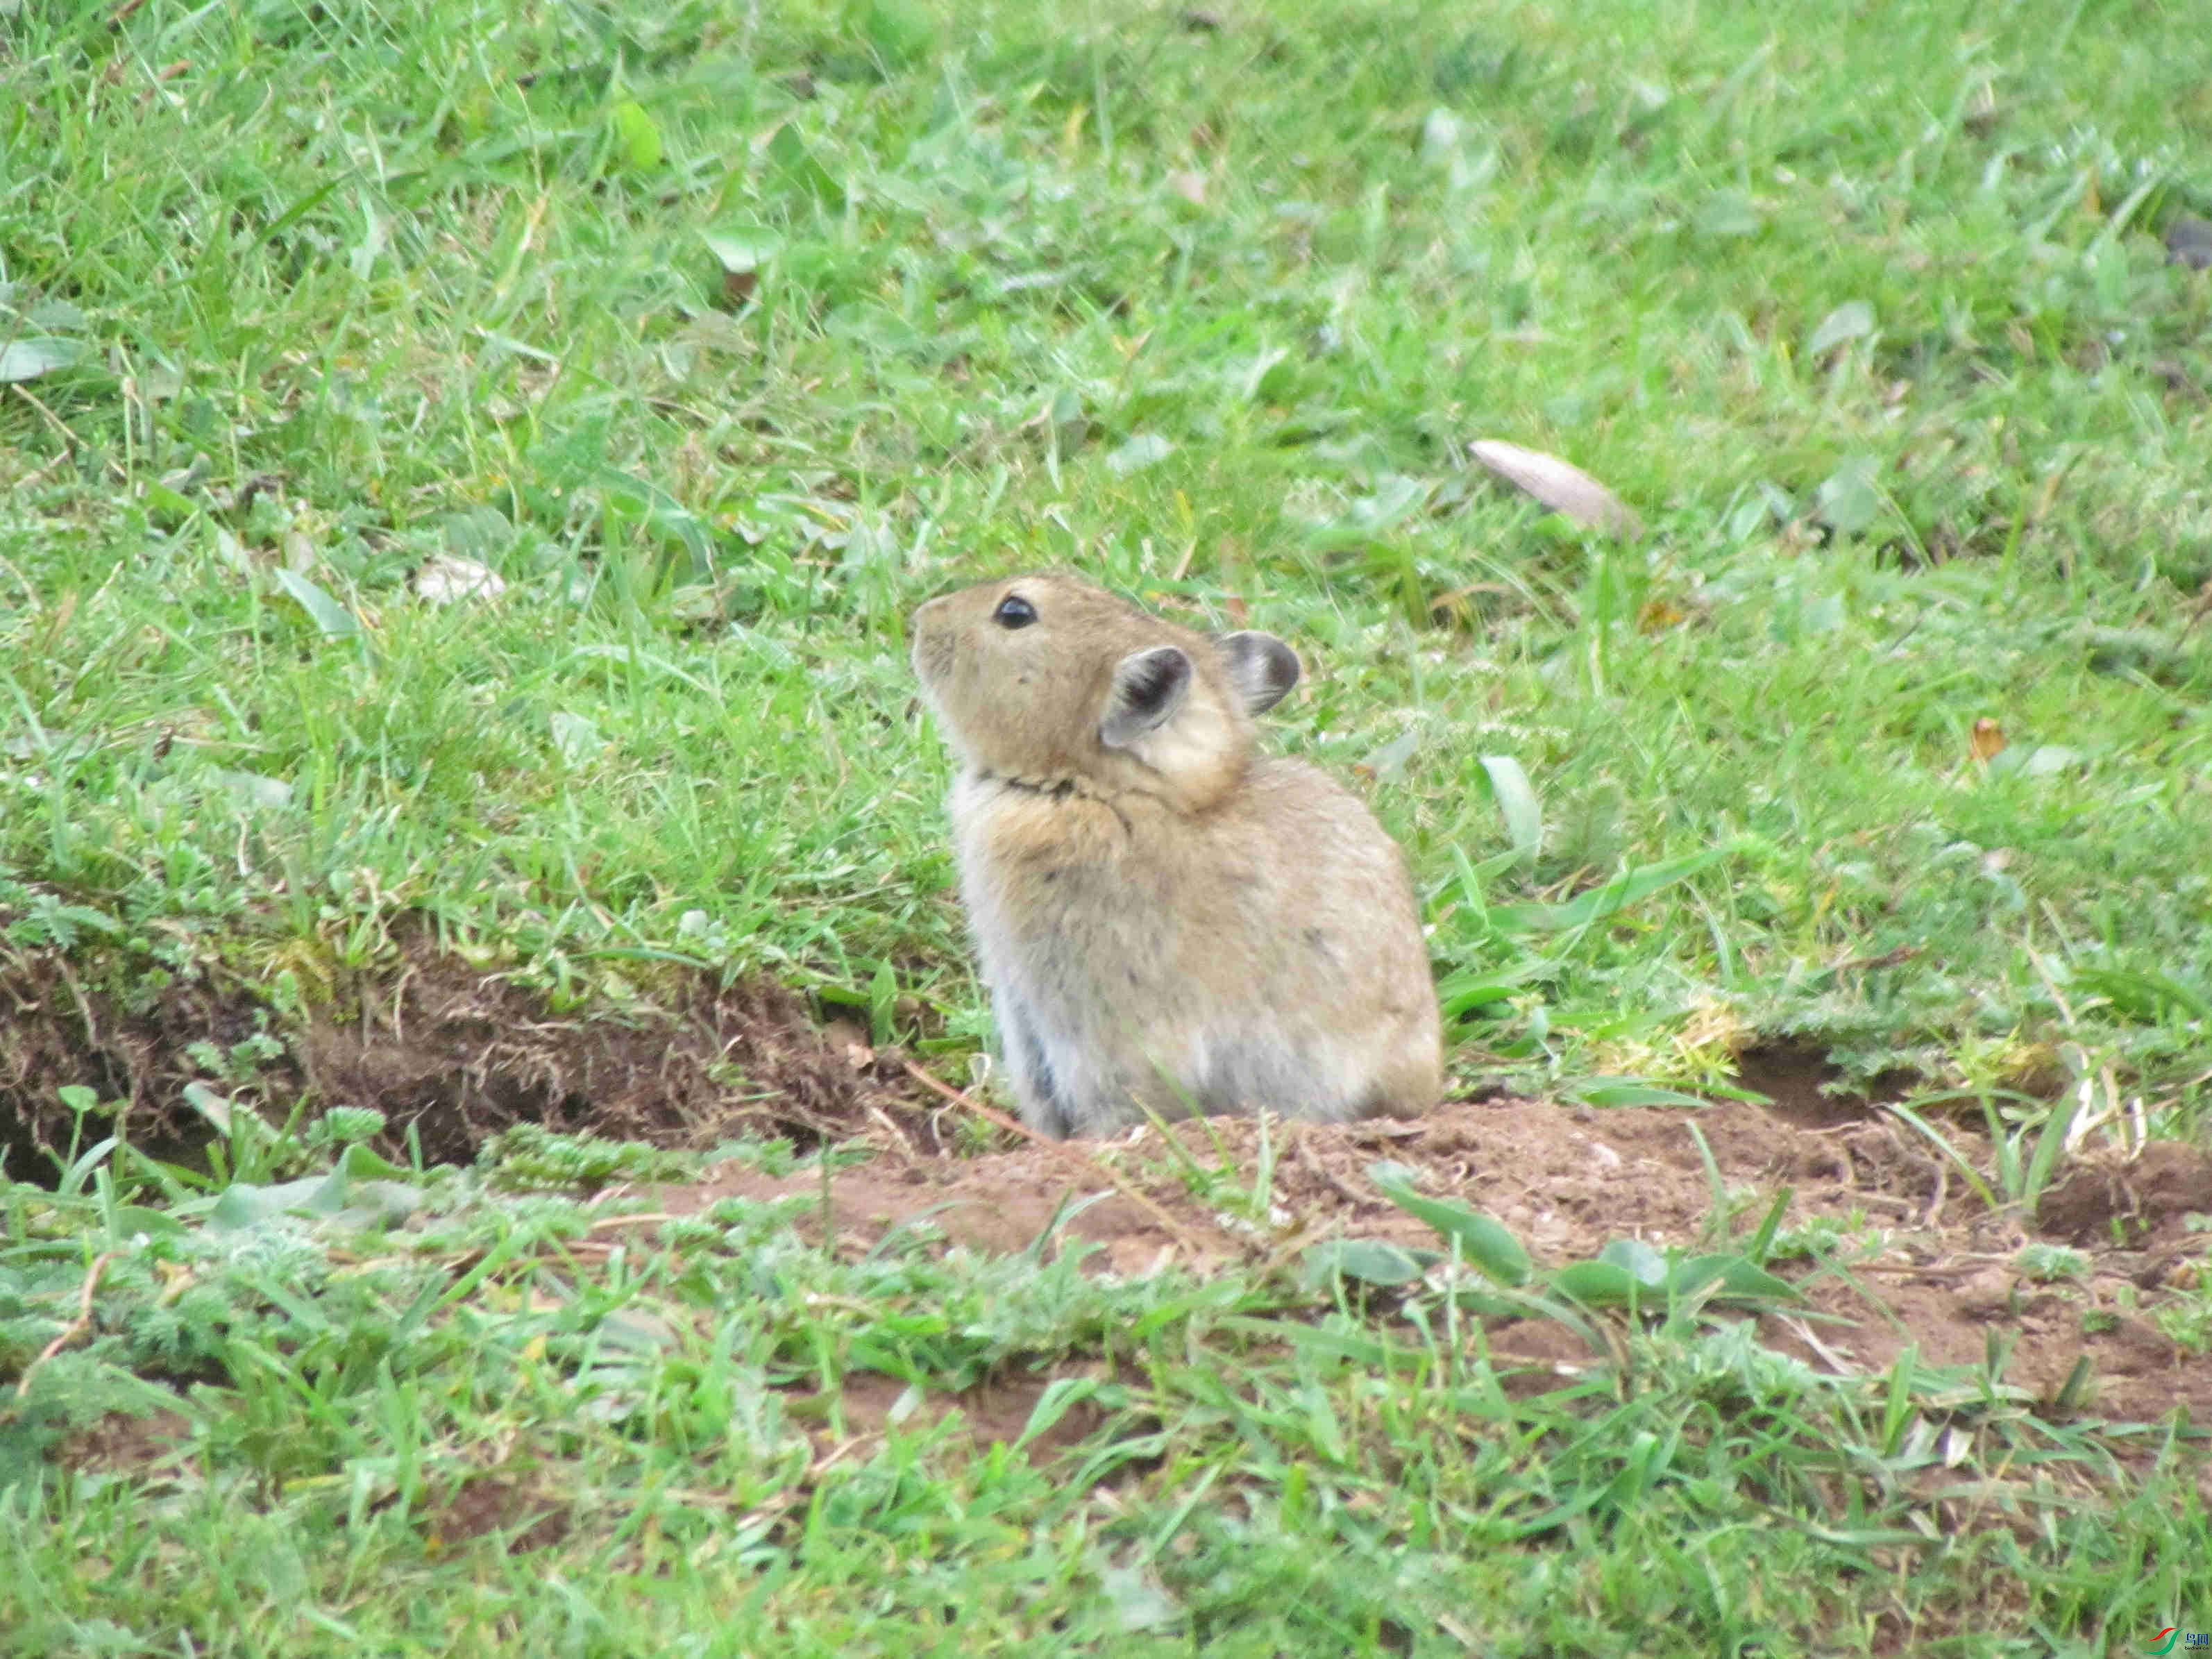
{"x": 1032, "y": 861}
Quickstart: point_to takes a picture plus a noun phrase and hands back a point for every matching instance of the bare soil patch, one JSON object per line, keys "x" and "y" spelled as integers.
{"x": 461, "y": 1054}
{"x": 995, "y": 1412}
{"x": 533, "y": 1518}
{"x": 1568, "y": 1178}
{"x": 120, "y": 1443}
{"x": 450, "y": 1051}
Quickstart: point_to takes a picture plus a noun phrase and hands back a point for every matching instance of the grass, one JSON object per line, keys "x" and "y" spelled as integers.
{"x": 440, "y": 310}
{"x": 725, "y": 334}
{"x": 1256, "y": 1484}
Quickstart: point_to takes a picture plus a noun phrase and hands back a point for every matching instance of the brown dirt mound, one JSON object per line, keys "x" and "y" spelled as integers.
{"x": 1566, "y": 1179}
{"x": 449, "y": 1049}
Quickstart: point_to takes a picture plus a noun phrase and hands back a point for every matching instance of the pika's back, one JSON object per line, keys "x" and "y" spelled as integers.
{"x": 1043, "y": 679}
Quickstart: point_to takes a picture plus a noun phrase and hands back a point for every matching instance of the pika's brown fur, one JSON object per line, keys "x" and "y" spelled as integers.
{"x": 1167, "y": 920}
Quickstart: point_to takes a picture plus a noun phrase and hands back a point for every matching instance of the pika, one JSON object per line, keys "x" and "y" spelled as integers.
{"x": 1167, "y": 920}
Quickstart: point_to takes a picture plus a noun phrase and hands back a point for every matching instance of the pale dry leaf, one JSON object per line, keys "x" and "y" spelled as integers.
{"x": 443, "y": 578}
{"x": 1143, "y": 450}
{"x": 1442, "y": 135}
{"x": 1852, "y": 320}
{"x": 1188, "y": 186}
{"x": 1565, "y": 487}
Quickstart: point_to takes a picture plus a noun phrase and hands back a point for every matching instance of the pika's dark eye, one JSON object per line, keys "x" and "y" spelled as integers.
{"x": 1014, "y": 612}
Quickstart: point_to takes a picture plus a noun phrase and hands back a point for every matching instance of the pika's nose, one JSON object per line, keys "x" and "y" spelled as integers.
{"x": 926, "y": 638}
{"x": 934, "y": 626}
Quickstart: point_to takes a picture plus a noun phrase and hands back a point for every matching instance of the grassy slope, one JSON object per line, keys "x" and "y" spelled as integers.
{"x": 439, "y": 270}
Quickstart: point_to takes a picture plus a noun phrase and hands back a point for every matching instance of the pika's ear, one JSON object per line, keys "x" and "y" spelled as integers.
{"x": 1148, "y": 687}
{"x": 1260, "y": 666}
